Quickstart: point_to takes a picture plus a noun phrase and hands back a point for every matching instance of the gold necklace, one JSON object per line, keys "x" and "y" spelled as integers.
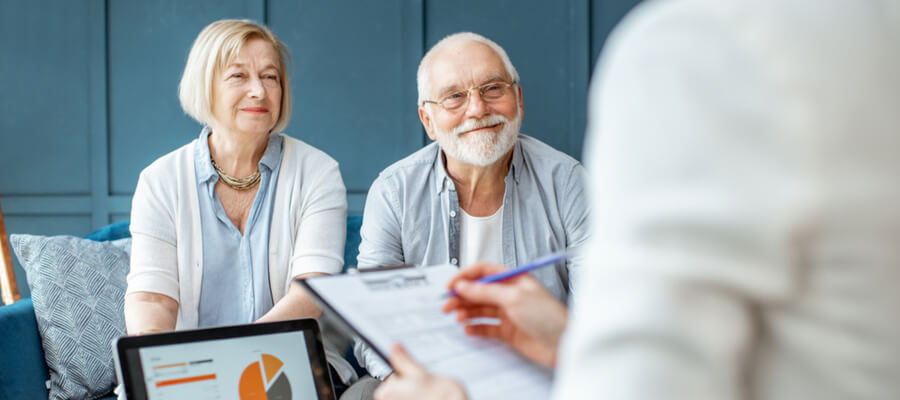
{"x": 236, "y": 183}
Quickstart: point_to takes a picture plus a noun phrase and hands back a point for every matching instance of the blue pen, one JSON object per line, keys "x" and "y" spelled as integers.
{"x": 512, "y": 272}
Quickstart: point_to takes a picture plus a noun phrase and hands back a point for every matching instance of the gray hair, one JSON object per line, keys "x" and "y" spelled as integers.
{"x": 422, "y": 80}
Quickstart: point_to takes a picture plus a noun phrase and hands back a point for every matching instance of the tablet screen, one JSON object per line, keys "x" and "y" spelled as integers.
{"x": 227, "y": 363}
{"x": 255, "y": 367}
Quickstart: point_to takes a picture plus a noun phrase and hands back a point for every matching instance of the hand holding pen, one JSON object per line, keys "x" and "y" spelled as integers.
{"x": 505, "y": 274}
{"x": 530, "y": 319}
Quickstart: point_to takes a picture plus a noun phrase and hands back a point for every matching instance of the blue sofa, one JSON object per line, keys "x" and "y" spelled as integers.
{"x": 23, "y": 373}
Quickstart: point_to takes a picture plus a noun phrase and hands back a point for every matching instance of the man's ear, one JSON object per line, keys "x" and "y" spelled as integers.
{"x": 427, "y": 123}
{"x": 521, "y": 102}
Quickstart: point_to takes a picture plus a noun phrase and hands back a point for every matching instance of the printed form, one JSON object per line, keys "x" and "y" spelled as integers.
{"x": 404, "y": 306}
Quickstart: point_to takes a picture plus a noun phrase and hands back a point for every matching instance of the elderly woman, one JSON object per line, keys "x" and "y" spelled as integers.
{"x": 223, "y": 225}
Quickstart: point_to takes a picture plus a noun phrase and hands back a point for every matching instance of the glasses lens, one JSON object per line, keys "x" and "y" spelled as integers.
{"x": 493, "y": 91}
{"x": 454, "y": 101}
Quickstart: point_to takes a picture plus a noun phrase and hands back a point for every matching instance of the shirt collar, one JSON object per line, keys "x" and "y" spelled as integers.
{"x": 272, "y": 156}
{"x": 203, "y": 160}
{"x": 444, "y": 181}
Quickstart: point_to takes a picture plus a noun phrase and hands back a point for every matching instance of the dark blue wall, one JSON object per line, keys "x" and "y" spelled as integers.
{"x": 90, "y": 87}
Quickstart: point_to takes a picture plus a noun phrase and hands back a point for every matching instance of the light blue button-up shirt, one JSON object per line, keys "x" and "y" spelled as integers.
{"x": 412, "y": 217}
{"x": 235, "y": 285}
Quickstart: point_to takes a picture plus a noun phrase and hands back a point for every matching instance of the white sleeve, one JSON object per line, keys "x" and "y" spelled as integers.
{"x": 319, "y": 245}
{"x": 692, "y": 214}
{"x": 154, "y": 264}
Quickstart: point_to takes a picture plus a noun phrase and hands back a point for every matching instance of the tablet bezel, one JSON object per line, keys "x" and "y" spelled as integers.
{"x": 128, "y": 361}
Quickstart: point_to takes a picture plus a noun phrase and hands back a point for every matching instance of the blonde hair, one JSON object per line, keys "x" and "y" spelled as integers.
{"x": 216, "y": 47}
{"x": 422, "y": 80}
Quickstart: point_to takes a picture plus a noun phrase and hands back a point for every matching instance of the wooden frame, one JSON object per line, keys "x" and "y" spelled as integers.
{"x": 8, "y": 287}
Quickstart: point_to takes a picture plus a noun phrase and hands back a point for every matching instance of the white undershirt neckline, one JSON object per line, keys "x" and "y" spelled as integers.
{"x": 481, "y": 238}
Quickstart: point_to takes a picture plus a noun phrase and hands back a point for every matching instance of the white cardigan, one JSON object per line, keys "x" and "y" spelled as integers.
{"x": 307, "y": 231}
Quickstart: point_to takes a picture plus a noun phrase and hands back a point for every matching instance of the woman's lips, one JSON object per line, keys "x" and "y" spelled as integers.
{"x": 255, "y": 110}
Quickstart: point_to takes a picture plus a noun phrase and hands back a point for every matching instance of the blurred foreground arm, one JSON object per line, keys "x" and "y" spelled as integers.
{"x": 696, "y": 210}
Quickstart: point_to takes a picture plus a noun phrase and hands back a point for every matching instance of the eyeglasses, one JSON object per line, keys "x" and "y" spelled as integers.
{"x": 489, "y": 92}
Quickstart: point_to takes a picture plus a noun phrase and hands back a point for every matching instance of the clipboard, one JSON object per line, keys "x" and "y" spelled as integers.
{"x": 336, "y": 317}
{"x": 403, "y": 304}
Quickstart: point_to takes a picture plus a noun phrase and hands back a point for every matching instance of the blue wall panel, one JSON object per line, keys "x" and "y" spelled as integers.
{"x": 605, "y": 15}
{"x": 43, "y": 106}
{"x": 90, "y": 87}
{"x": 354, "y": 91}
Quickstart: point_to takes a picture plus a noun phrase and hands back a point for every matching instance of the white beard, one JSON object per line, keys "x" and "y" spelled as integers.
{"x": 481, "y": 148}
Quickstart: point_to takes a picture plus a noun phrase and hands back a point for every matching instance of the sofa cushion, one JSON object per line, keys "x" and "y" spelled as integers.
{"x": 118, "y": 230}
{"x": 77, "y": 287}
{"x": 21, "y": 345}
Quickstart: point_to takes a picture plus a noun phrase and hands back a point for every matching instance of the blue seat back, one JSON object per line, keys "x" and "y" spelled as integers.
{"x": 23, "y": 373}
{"x": 351, "y": 247}
{"x": 119, "y": 230}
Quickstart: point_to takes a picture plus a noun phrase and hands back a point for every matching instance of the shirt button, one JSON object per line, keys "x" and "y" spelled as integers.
{"x": 452, "y": 214}
{"x": 453, "y": 261}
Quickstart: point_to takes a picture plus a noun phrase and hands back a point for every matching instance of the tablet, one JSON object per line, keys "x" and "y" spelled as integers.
{"x": 273, "y": 361}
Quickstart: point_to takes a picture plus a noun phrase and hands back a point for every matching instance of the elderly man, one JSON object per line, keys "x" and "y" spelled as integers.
{"x": 483, "y": 191}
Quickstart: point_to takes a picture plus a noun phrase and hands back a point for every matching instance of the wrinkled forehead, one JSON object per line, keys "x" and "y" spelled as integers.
{"x": 233, "y": 50}
{"x": 464, "y": 64}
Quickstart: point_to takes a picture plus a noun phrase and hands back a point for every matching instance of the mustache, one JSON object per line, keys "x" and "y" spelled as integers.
{"x": 471, "y": 124}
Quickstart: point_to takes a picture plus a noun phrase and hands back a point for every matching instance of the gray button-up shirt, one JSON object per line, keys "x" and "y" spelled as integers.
{"x": 412, "y": 217}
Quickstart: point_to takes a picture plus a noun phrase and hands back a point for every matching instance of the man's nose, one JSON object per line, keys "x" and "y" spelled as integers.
{"x": 477, "y": 107}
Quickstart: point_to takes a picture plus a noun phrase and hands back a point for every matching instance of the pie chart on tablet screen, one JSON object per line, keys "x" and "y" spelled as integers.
{"x": 264, "y": 379}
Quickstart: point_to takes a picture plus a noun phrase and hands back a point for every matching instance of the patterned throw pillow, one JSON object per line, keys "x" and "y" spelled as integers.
{"x": 78, "y": 287}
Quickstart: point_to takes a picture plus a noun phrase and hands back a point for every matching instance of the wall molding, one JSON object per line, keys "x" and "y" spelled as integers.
{"x": 588, "y": 23}
{"x": 99, "y": 113}
{"x": 579, "y": 71}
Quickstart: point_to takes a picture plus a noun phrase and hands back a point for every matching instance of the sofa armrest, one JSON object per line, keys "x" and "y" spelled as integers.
{"x": 24, "y": 373}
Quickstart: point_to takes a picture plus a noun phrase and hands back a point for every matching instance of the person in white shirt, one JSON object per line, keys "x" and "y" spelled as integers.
{"x": 744, "y": 159}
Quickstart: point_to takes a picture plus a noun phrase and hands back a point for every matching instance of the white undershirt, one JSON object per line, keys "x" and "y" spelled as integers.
{"x": 481, "y": 239}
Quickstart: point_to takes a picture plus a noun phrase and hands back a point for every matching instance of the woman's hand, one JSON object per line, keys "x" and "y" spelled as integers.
{"x": 532, "y": 321}
{"x": 411, "y": 381}
{"x": 147, "y": 312}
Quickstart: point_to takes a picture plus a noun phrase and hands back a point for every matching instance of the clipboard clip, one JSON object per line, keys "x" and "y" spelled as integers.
{"x": 404, "y": 277}
{"x": 355, "y": 270}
